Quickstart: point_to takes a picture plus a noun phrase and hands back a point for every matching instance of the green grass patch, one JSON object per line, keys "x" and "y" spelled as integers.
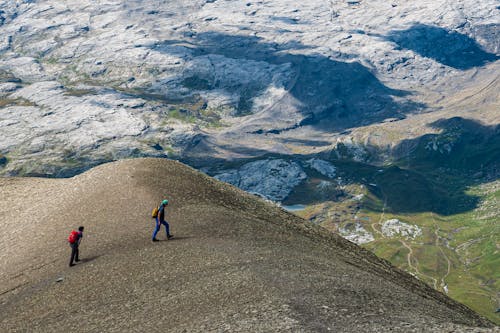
{"x": 79, "y": 92}
{"x": 49, "y": 60}
{"x": 391, "y": 250}
{"x": 181, "y": 114}
{"x": 6, "y": 102}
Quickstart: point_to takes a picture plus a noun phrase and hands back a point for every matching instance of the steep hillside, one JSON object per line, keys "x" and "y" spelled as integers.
{"x": 236, "y": 263}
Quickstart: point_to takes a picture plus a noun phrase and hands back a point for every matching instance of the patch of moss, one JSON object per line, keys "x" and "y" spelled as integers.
{"x": 78, "y": 92}
{"x": 181, "y": 114}
{"x": 196, "y": 83}
{"x": 49, "y": 60}
{"x": 5, "y": 102}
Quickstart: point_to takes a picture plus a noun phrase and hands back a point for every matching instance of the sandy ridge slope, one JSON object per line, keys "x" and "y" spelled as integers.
{"x": 237, "y": 263}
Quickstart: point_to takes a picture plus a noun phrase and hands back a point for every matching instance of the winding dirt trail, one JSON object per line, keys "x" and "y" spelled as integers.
{"x": 381, "y": 218}
{"x": 408, "y": 247}
{"x": 415, "y": 268}
{"x": 438, "y": 245}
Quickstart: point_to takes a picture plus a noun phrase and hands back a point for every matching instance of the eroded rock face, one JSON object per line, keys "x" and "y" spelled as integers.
{"x": 100, "y": 79}
{"x": 273, "y": 179}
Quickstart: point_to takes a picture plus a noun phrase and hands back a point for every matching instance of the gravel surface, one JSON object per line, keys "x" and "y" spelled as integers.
{"x": 236, "y": 264}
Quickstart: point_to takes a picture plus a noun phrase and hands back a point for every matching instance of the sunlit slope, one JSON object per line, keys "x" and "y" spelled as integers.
{"x": 236, "y": 264}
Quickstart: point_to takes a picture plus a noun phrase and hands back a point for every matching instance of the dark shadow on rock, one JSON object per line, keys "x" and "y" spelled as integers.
{"x": 449, "y": 48}
{"x": 327, "y": 94}
{"x": 489, "y": 36}
{"x": 175, "y": 238}
{"x": 463, "y": 146}
{"x": 431, "y": 173}
{"x": 307, "y": 142}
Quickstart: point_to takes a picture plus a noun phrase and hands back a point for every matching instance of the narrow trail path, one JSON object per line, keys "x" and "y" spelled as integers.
{"x": 410, "y": 250}
{"x": 408, "y": 247}
{"x": 438, "y": 245}
{"x": 381, "y": 218}
{"x": 415, "y": 268}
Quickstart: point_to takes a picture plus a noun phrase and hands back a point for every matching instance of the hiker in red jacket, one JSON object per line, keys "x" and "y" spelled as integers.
{"x": 74, "y": 239}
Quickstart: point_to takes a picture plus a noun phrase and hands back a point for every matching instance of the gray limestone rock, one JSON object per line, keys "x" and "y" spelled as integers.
{"x": 273, "y": 179}
{"x": 7, "y": 88}
{"x": 267, "y": 72}
{"x": 323, "y": 167}
{"x": 395, "y": 227}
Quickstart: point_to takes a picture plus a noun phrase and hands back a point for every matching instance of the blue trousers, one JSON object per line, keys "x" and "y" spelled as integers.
{"x": 158, "y": 225}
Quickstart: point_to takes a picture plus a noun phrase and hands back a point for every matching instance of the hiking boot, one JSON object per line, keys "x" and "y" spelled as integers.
{"x": 170, "y": 236}
{"x": 155, "y": 240}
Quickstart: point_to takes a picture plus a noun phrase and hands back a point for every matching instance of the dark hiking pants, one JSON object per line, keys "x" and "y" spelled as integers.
{"x": 74, "y": 252}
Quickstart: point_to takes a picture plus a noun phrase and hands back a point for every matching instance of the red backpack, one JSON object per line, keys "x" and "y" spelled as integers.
{"x": 73, "y": 237}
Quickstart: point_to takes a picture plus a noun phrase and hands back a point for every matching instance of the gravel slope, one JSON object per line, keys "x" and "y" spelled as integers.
{"x": 236, "y": 263}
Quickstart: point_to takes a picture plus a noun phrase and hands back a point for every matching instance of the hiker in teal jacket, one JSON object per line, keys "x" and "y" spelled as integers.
{"x": 160, "y": 219}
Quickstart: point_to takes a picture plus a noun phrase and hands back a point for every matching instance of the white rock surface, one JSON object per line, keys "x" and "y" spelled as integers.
{"x": 395, "y": 227}
{"x": 7, "y": 88}
{"x": 356, "y": 232}
{"x": 77, "y": 122}
{"x": 273, "y": 179}
{"x": 269, "y": 72}
{"x": 323, "y": 167}
{"x": 358, "y": 197}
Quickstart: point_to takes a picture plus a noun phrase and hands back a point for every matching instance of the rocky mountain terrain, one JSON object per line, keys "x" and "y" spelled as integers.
{"x": 83, "y": 83}
{"x": 354, "y": 113}
{"x": 236, "y": 264}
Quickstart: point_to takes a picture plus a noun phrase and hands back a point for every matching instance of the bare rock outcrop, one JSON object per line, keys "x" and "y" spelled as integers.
{"x": 95, "y": 81}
